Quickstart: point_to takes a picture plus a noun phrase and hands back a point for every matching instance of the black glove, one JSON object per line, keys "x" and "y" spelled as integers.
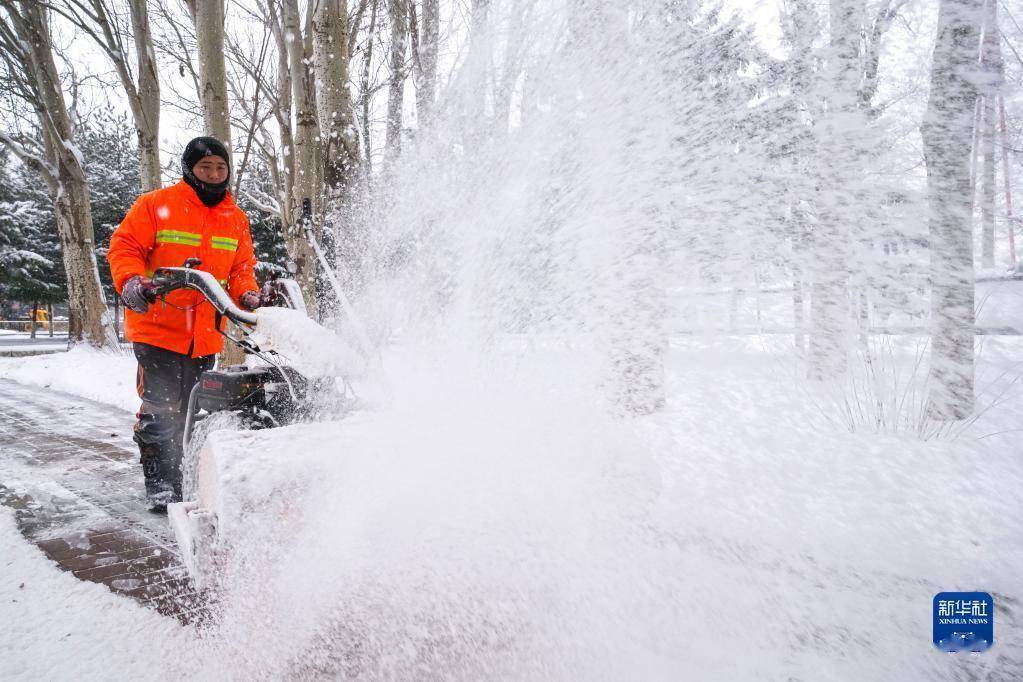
{"x": 251, "y": 300}
{"x": 136, "y": 293}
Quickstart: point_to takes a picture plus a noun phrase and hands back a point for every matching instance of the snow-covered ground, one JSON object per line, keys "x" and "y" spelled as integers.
{"x": 104, "y": 377}
{"x": 500, "y": 525}
{"x": 56, "y": 627}
{"x": 493, "y": 522}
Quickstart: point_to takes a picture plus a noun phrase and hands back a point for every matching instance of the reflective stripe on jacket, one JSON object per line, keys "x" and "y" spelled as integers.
{"x": 163, "y": 229}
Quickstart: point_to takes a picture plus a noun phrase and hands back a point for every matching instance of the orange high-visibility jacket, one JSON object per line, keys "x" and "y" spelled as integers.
{"x": 163, "y": 229}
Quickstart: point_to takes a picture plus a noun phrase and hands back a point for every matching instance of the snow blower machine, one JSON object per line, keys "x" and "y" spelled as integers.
{"x": 262, "y": 393}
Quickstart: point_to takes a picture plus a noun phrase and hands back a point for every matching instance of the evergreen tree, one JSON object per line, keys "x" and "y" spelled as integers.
{"x": 31, "y": 270}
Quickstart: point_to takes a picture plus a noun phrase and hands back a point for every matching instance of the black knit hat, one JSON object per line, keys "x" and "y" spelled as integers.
{"x": 209, "y": 193}
{"x": 200, "y": 147}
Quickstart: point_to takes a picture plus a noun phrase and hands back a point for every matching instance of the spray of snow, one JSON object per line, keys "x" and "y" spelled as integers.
{"x": 497, "y": 520}
{"x": 305, "y": 345}
{"x": 495, "y": 523}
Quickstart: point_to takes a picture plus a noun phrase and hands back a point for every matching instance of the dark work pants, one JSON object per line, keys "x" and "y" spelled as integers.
{"x": 165, "y": 379}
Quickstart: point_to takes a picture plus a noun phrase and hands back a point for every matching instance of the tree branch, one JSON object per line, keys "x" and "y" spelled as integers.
{"x": 266, "y": 204}
{"x": 34, "y": 161}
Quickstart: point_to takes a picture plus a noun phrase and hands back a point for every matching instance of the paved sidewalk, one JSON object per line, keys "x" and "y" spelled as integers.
{"x": 69, "y": 469}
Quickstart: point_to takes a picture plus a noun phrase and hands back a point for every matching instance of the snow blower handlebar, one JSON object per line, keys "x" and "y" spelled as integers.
{"x": 166, "y": 280}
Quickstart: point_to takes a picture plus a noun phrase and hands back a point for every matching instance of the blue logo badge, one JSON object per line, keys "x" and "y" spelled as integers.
{"x": 964, "y": 621}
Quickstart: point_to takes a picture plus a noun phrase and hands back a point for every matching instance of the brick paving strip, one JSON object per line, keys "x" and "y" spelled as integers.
{"x": 70, "y": 471}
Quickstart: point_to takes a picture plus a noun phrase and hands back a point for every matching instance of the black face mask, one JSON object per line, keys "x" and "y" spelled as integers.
{"x": 209, "y": 193}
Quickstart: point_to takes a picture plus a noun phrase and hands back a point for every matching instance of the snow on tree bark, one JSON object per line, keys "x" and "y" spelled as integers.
{"x": 946, "y": 131}
{"x": 208, "y": 17}
{"x": 147, "y": 120}
{"x": 305, "y": 154}
{"x": 993, "y": 68}
{"x": 366, "y": 94}
{"x": 285, "y": 184}
{"x": 429, "y": 45}
{"x": 987, "y": 197}
{"x": 339, "y": 134}
{"x": 398, "y": 13}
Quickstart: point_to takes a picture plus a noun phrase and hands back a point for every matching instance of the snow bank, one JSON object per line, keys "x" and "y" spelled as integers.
{"x": 56, "y": 627}
{"x": 305, "y": 345}
{"x": 104, "y": 376}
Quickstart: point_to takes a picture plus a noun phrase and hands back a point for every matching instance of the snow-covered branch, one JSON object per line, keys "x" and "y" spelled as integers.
{"x": 35, "y": 161}
{"x": 263, "y": 203}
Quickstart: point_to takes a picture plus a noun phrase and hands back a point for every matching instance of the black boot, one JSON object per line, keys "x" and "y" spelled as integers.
{"x": 159, "y": 487}
{"x": 171, "y": 463}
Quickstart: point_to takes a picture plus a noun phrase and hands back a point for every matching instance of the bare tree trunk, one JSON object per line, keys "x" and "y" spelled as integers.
{"x": 74, "y": 225}
{"x": 366, "y": 94}
{"x": 800, "y": 237}
{"x": 946, "y": 136}
{"x": 208, "y": 16}
{"x": 305, "y": 154}
{"x": 840, "y": 147}
{"x": 804, "y": 31}
{"x": 872, "y": 53}
{"x": 69, "y": 184}
{"x": 148, "y": 123}
{"x": 429, "y": 46}
{"x": 283, "y": 110}
{"x": 978, "y": 124}
{"x": 987, "y": 199}
{"x": 313, "y": 86}
{"x": 478, "y": 61}
{"x": 993, "y": 75}
{"x": 511, "y": 67}
{"x": 339, "y": 136}
{"x": 398, "y": 13}
{"x": 629, "y": 289}
{"x": 1010, "y": 220}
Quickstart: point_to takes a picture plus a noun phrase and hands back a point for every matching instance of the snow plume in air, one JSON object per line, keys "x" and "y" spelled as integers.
{"x": 555, "y": 491}
{"x": 477, "y": 529}
{"x": 301, "y": 343}
{"x": 492, "y": 520}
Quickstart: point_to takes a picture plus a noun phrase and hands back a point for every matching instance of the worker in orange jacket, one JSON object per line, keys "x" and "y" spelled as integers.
{"x": 176, "y": 339}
